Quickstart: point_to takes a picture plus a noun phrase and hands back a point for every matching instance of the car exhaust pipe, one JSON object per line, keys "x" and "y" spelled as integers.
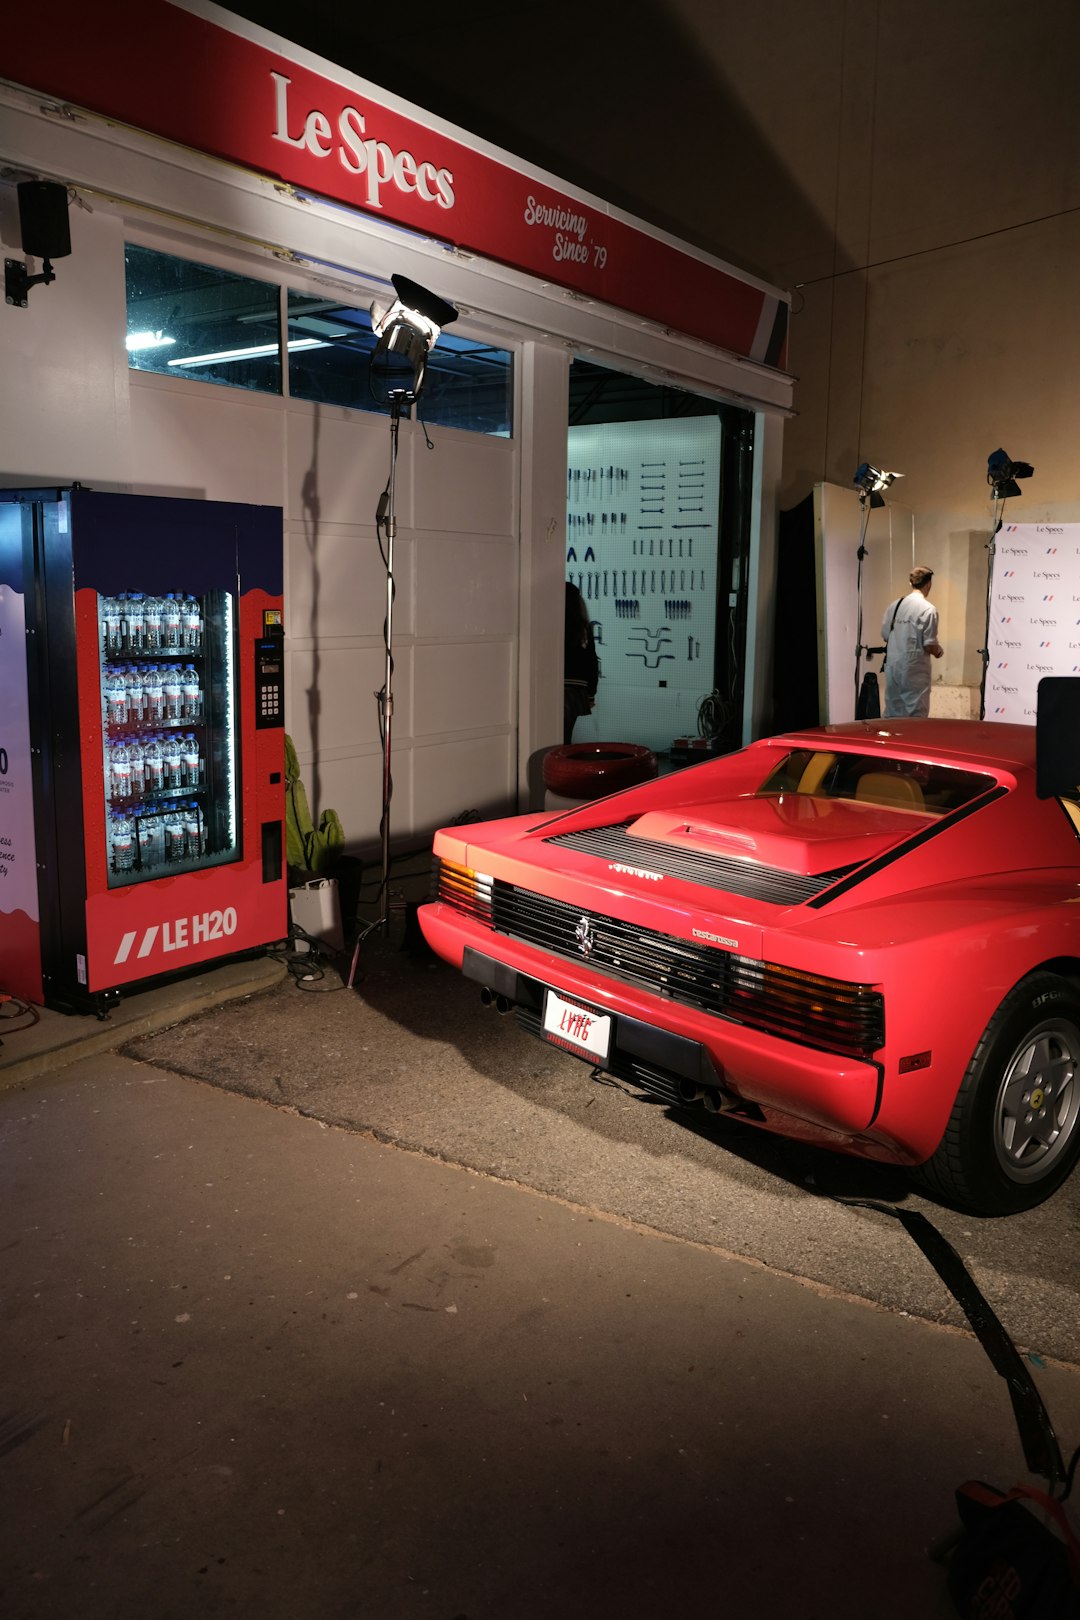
{"x": 719, "y": 1101}
{"x": 689, "y": 1092}
{"x": 502, "y": 1005}
{"x": 487, "y": 997}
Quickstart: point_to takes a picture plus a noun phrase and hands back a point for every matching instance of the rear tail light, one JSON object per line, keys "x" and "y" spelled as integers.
{"x": 464, "y": 889}
{"x": 830, "y": 1013}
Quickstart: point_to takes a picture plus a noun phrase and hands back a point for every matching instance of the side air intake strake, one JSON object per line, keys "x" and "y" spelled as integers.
{"x": 734, "y": 874}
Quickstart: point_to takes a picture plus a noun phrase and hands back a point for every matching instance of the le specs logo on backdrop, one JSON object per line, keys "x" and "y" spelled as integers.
{"x": 358, "y": 153}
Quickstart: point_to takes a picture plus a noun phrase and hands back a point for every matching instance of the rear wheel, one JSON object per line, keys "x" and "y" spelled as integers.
{"x": 1014, "y": 1132}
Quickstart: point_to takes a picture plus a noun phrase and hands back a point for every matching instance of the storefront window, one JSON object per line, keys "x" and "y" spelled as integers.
{"x": 469, "y": 384}
{"x": 194, "y": 320}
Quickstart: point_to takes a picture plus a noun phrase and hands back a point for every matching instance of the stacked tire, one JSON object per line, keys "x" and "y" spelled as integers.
{"x": 577, "y": 773}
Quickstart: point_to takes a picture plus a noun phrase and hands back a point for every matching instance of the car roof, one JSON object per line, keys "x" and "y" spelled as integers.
{"x": 955, "y": 742}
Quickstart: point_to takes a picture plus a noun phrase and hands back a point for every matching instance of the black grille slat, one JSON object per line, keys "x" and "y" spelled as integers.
{"x": 826, "y": 1014}
{"x": 668, "y": 966}
{"x": 739, "y": 875}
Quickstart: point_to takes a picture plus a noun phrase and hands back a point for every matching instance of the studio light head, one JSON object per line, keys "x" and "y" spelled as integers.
{"x": 1001, "y": 474}
{"x": 407, "y": 331}
{"x": 871, "y": 482}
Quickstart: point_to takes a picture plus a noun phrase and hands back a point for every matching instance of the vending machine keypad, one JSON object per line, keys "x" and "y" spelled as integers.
{"x": 269, "y": 684}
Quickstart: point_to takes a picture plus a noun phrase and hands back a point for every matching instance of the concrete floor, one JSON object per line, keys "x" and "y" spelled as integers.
{"x": 255, "y": 1363}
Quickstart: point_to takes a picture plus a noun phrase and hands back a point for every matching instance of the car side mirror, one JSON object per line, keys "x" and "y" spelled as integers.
{"x": 1057, "y": 737}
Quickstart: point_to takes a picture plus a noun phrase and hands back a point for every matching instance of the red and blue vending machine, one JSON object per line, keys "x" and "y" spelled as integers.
{"x": 142, "y": 792}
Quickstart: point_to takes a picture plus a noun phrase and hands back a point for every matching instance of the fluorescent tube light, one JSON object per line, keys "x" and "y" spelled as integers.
{"x": 147, "y": 340}
{"x": 247, "y": 354}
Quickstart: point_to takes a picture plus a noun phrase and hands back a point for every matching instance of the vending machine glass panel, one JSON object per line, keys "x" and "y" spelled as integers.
{"x": 169, "y": 732}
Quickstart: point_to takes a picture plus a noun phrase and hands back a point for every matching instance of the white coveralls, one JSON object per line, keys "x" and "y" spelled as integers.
{"x": 907, "y": 663}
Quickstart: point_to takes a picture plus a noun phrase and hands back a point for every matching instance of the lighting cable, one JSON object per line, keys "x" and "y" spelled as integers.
{"x": 12, "y": 1008}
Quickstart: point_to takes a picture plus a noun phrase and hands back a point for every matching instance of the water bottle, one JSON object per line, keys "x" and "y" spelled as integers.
{"x": 193, "y": 831}
{"x": 137, "y": 765}
{"x": 153, "y": 766}
{"x": 191, "y": 625}
{"x": 174, "y": 837}
{"x": 192, "y": 761}
{"x": 154, "y": 688}
{"x": 109, "y": 609}
{"x": 115, "y": 624}
{"x": 151, "y": 839}
{"x": 135, "y": 622}
{"x": 119, "y": 772}
{"x": 136, "y": 695}
{"x": 174, "y": 695}
{"x": 120, "y": 845}
{"x": 190, "y": 694}
{"x": 170, "y": 623}
{"x": 171, "y": 763}
{"x": 152, "y": 624}
{"x": 116, "y": 701}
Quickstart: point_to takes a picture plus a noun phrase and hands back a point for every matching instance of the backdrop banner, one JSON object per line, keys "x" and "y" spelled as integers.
{"x": 1034, "y": 627}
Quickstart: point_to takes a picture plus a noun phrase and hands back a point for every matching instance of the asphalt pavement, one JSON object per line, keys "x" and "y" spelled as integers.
{"x": 363, "y": 1303}
{"x": 410, "y": 1056}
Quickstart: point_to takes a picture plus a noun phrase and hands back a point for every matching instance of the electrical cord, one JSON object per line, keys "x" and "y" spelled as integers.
{"x": 11, "y": 1008}
{"x": 714, "y": 714}
{"x": 304, "y": 967}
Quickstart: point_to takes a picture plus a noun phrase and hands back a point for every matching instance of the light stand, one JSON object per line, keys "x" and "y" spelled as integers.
{"x": 399, "y": 399}
{"x": 1001, "y": 475}
{"x": 407, "y": 331}
{"x": 871, "y": 483}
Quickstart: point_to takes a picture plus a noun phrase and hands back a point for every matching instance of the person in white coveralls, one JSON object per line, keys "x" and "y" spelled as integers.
{"x": 910, "y": 630}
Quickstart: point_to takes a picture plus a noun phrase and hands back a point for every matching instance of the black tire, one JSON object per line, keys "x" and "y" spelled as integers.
{"x": 1014, "y": 1132}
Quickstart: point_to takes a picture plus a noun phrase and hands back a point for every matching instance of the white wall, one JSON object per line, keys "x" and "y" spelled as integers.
{"x": 70, "y": 409}
{"x": 63, "y": 366}
{"x": 454, "y": 730}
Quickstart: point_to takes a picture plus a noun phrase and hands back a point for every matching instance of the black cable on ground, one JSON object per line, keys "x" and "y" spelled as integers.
{"x": 1040, "y": 1444}
{"x": 11, "y": 1008}
{"x": 305, "y": 967}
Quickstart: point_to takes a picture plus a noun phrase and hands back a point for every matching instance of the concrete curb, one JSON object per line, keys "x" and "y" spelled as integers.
{"x": 58, "y": 1039}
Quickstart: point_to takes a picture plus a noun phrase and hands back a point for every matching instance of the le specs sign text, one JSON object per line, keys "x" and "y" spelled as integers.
{"x": 358, "y": 153}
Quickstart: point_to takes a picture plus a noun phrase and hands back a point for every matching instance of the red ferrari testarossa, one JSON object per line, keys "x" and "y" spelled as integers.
{"x": 863, "y": 935}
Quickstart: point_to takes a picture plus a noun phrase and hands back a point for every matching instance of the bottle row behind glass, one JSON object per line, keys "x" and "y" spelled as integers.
{"x": 163, "y": 762}
{"x": 145, "y": 838}
{"x": 152, "y": 694}
{"x": 136, "y": 621}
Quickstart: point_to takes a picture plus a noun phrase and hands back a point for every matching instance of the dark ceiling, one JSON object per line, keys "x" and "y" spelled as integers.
{"x": 617, "y": 98}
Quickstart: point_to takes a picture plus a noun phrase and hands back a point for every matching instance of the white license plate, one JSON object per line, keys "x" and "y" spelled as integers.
{"x": 575, "y": 1027}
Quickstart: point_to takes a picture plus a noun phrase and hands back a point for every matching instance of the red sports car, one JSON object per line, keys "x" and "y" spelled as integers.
{"x": 866, "y": 936}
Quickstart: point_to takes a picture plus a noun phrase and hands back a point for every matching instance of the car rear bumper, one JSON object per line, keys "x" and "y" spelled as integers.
{"x": 738, "y": 1065}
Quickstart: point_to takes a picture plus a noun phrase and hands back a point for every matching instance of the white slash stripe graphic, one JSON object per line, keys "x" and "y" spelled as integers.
{"x": 148, "y": 940}
{"x": 125, "y": 948}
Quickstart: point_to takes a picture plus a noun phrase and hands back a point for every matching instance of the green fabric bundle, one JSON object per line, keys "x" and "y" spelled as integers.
{"x": 308, "y": 849}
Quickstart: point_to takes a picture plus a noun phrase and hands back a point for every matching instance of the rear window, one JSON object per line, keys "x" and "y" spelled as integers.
{"x": 898, "y": 784}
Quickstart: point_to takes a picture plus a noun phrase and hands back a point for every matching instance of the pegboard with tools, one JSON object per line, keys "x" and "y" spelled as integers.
{"x": 642, "y": 508}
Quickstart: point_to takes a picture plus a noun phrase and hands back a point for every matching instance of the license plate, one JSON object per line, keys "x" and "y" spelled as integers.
{"x": 577, "y": 1028}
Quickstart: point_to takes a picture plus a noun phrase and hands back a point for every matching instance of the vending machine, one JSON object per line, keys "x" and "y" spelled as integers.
{"x": 142, "y": 786}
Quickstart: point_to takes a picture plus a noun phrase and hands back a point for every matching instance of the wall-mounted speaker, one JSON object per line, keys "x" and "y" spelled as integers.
{"x": 43, "y": 219}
